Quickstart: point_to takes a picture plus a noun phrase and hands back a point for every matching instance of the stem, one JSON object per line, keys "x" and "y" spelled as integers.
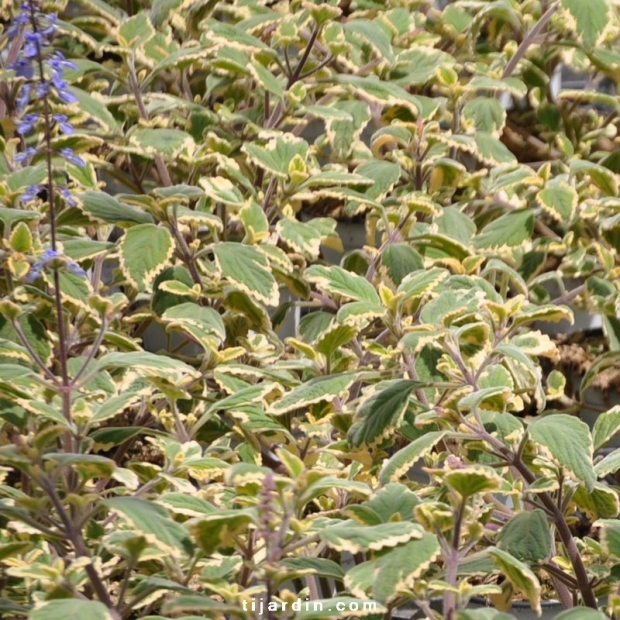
{"x": 93, "y": 351}
{"x": 304, "y": 542}
{"x": 164, "y": 175}
{"x": 77, "y": 541}
{"x": 278, "y": 113}
{"x": 65, "y": 389}
{"x": 452, "y": 564}
{"x": 581, "y": 574}
{"x": 125, "y": 583}
{"x": 184, "y": 436}
{"x": 528, "y": 40}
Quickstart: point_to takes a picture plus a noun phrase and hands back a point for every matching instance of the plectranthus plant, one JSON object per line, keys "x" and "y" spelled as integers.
{"x": 232, "y": 406}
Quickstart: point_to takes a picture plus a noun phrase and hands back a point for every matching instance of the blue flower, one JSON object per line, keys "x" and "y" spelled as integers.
{"x": 20, "y": 158}
{"x": 23, "y": 98}
{"x": 41, "y": 69}
{"x": 49, "y": 256}
{"x": 23, "y": 68}
{"x": 65, "y": 96}
{"x": 68, "y": 155}
{"x": 34, "y": 42}
{"x": 58, "y": 62}
{"x": 63, "y": 123}
{"x": 26, "y": 123}
{"x": 75, "y": 269}
{"x": 67, "y": 195}
{"x": 42, "y": 89}
{"x": 31, "y": 192}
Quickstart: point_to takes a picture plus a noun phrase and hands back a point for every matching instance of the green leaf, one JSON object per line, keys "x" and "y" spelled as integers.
{"x": 338, "y": 281}
{"x": 508, "y": 231}
{"x": 45, "y": 411}
{"x": 300, "y": 567}
{"x": 589, "y": 19}
{"x": 255, "y": 222}
{"x": 457, "y": 225}
{"x": 169, "y": 143}
{"x": 102, "y": 207}
{"x": 154, "y": 523}
{"x": 330, "y": 484}
{"x": 70, "y": 608}
{"x": 355, "y": 539}
{"x": 236, "y": 37}
{"x": 401, "y": 462}
{"x": 188, "y": 505}
{"x": 485, "y": 114}
{"x": 421, "y": 283}
{"x": 21, "y": 238}
{"x": 601, "y": 503}
{"x": 383, "y": 174}
{"x": 519, "y": 575}
{"x": 331, "y": 341}
{"x": 277, "y": 154}
{"x": 560, "y": 201}
{"x": 217, "y": 531}
{"x": 199, "y": 603}
{"x": 203, "y": 323}
{"x": 248, "y": 269}
{"x": 602, "y": 177}
{"x": 491, "y": 150}
{"x": 421, "y": 64}
{"x": 33, "y": 331}
{"x": 163, "y": 299}
{"x": 526, "y": 537}
{"x": 144, "y": 252}
{"x": 25, "y": 177}
{"x": 359, "y": 314}
{"x": 379, "y": 415}
{"x": 75, "y": 289}
{"x": 9, "y": 216}
{"x": 300, "y": 237}
{"x": 568, "y": 441}
{"x": 373, "y": 35}
{"x": 473, "y": 479}
{"x": 392, "y": 502}
{"x": 82, "y": 249}
{"x": 610, "y": 536}
{"x": 609, "y": 465}
{"x": 512, "y": 85}
{"x": 149, "y": 365}
{"x": 95, "y": 110}
{"x": 110, "y": 436}
{"x": 270, "y": 82}
{"x": 314, "y": 391}
{"x": 135, "y": 31}
{"x": 222, "y": 190}
{"x": 399, "y": 260}
{"x": 88, "y": 465}
{"x": 601, "y": 363}
{"x": 606, "y": 427}
{"x": 548, "y": 313}
{"x": 389, "y": 573}
{"x": 404, "y": 565}
{"x": 389, "y": 94}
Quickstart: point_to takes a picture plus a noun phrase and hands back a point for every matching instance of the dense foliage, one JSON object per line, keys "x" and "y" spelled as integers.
{"x": 211, "y": 394}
